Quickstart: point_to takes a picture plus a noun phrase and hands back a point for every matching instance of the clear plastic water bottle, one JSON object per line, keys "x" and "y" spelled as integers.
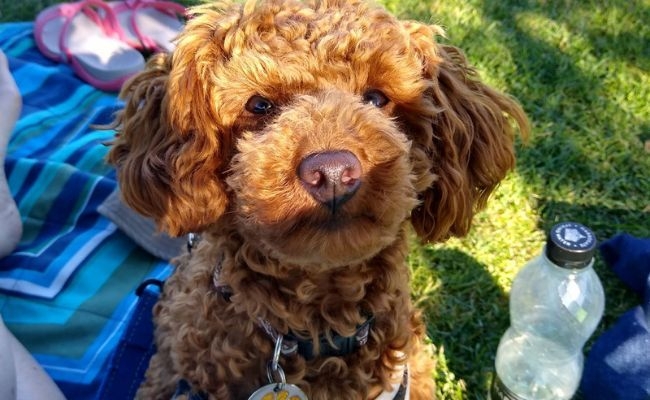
{"x": 556, "y": 302}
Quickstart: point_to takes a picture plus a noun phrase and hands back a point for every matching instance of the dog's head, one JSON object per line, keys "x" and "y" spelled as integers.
{"x": 318, "y": 129}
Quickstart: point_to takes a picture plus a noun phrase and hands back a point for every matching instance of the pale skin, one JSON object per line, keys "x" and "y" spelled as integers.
{"x": 10, "y": 105}
{"x": 21, "y": 377}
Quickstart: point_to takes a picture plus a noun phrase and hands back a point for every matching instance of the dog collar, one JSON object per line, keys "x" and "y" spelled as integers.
{"x": 333, "y": 345}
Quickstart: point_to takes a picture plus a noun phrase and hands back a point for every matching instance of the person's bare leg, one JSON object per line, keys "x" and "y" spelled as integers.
{"x": 10, "y": 105}
{"x": 21, "y": 377}
{"x": 7, "y": 372}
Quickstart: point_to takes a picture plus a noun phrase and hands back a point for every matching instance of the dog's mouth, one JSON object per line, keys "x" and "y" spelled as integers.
{"x": 321, "y": 237}
{"x": 338, "y": 220}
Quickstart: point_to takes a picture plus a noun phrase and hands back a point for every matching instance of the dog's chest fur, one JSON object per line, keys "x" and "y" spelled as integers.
{"x": 229, "y": 327}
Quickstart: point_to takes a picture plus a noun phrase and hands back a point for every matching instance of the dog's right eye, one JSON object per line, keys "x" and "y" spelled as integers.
{"x": 259, "y": 105}
{"x": 375, "y": 97}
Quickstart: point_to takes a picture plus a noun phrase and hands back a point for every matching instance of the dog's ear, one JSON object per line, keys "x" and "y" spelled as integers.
{"x": 167, "y": 169}
{"x": 463, "y": 137}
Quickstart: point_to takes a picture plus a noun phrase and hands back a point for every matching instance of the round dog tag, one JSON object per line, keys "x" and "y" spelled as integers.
{"x": 278, "y": 391}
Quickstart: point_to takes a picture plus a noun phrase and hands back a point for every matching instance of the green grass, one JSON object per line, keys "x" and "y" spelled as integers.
{"x": 581, "y": 69}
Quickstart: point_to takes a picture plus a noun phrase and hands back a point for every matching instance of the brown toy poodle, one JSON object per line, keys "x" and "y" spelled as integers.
{"x": 302, "y": 140}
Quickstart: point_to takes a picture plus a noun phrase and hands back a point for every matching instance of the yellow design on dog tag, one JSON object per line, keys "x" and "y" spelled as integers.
{"x": 278, "y": 391}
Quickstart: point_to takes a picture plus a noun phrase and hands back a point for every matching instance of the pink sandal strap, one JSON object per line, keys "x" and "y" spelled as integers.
{"x": 167, "y": 7}
{"x": 68, "y": 11}
{"x": 107, "y": 21}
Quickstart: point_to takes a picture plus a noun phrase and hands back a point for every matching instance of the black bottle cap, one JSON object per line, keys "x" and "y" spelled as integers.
{"x": 570, "y": 245}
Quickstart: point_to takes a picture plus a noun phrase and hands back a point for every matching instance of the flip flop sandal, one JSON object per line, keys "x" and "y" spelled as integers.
{"x": 87, "y": 35}
{"x": 150, "y": 25}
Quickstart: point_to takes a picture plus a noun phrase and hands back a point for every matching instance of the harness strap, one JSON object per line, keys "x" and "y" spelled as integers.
{"x": 340, "y": 345}
{"x": 132, "y": 355}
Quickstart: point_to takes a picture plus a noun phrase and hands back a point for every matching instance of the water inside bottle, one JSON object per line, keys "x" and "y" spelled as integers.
{"x": 537, "y": 368}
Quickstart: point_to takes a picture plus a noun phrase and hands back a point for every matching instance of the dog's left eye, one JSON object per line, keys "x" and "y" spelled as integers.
{"x": 375, "y": 97}
{"x": 259, "y": 105}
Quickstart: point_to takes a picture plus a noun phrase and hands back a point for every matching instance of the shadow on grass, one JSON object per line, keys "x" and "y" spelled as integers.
{"x": 466, "y": 315}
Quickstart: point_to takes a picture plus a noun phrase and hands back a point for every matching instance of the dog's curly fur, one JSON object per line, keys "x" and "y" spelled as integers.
{"x": 194, "y": 155}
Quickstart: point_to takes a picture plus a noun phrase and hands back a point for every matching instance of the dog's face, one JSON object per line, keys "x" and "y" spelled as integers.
{"x": 317, "y": 129}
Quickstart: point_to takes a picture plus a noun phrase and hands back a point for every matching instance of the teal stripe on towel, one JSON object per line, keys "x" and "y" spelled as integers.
{"x": 38, "y": 129}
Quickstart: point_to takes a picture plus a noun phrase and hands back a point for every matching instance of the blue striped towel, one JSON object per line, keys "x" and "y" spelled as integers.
{"x": 67, "y": 290}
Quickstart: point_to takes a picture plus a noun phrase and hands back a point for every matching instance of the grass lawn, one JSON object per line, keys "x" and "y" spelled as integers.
{"x": 581, "y": 69}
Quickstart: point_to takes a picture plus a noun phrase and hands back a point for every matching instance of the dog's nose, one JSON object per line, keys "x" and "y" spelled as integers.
{"x": 331, "y": 177}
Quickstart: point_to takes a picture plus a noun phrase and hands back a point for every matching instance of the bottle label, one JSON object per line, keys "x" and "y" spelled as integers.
{"x": 499, "y": 391}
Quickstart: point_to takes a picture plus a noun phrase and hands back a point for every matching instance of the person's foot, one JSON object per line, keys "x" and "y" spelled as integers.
{"x": 10, "y": 104}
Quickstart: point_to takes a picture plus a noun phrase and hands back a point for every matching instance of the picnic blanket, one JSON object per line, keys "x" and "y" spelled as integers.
{"x": 67, "y": 291}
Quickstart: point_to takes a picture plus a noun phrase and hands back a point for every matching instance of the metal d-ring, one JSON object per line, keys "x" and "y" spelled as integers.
{"x": 274, "y": 367}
